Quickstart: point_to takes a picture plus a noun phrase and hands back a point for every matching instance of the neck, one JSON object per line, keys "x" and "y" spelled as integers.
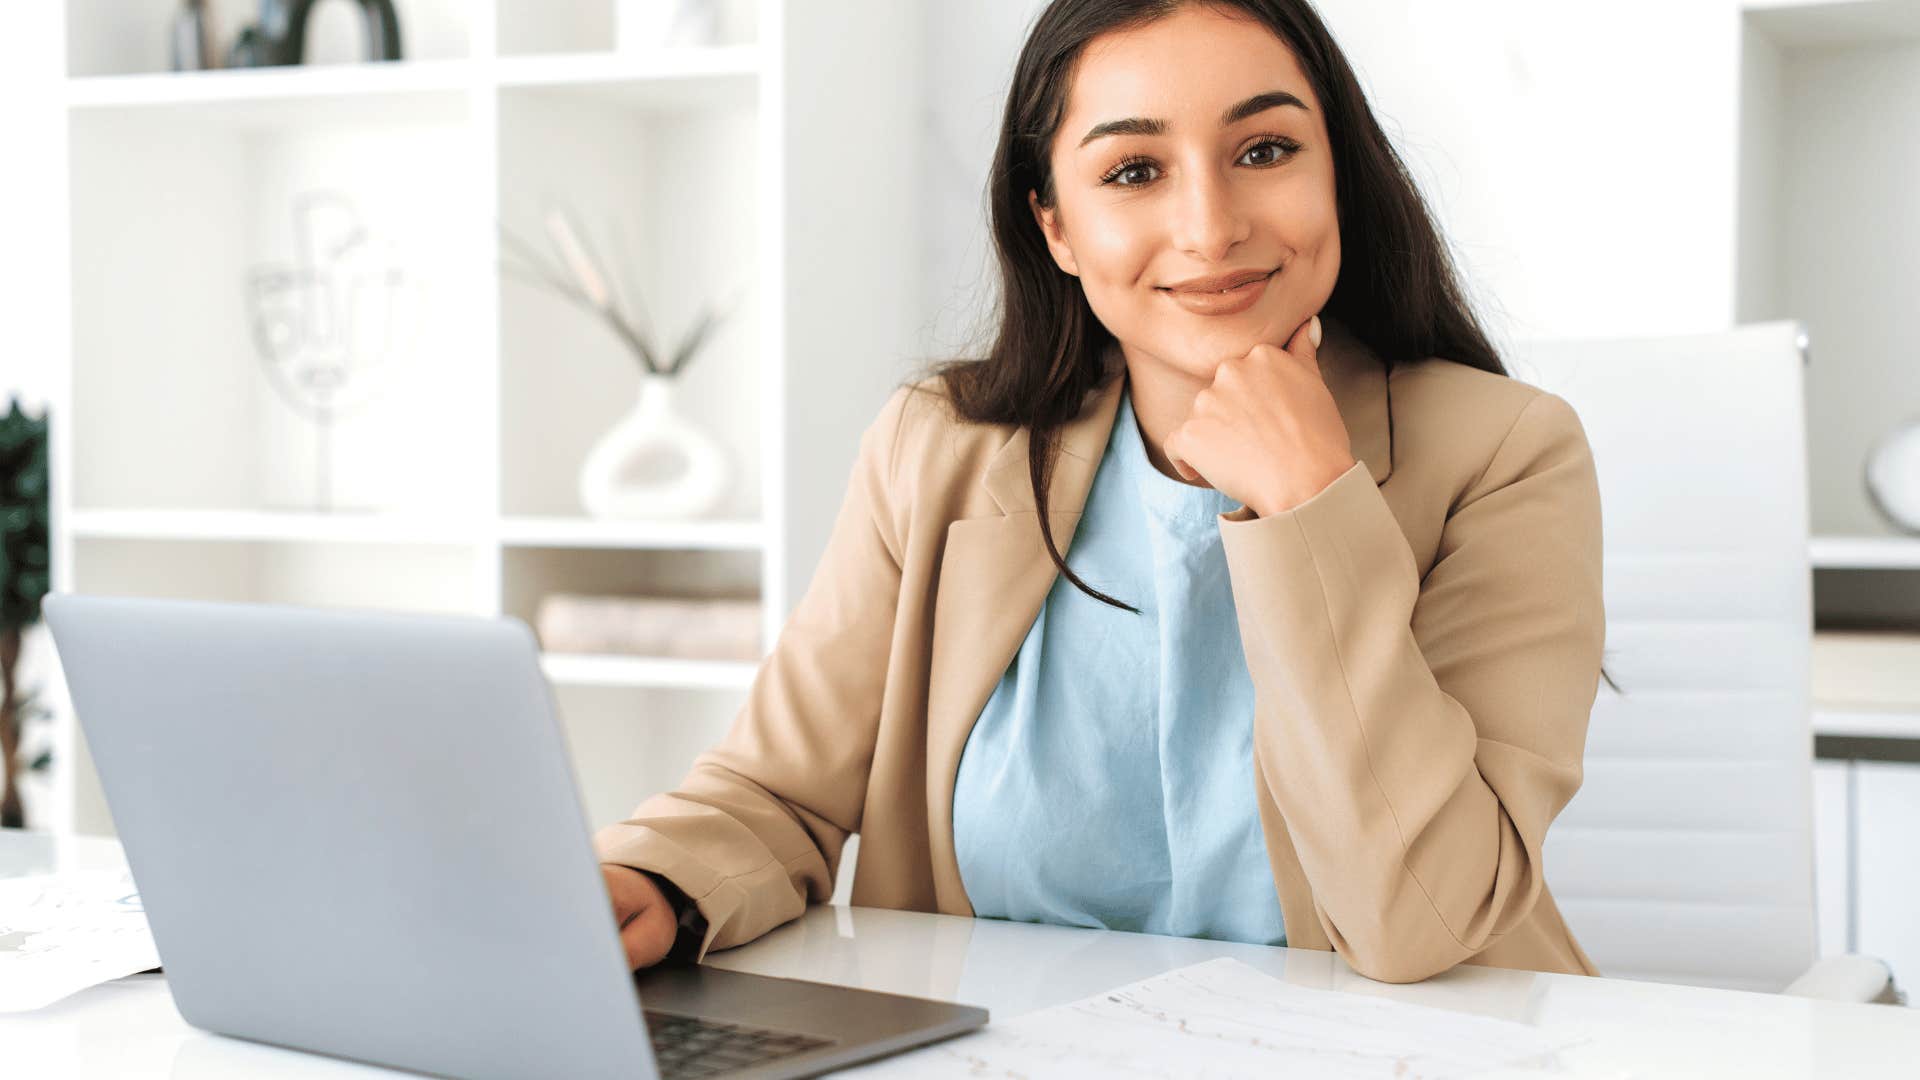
{"x": 1162, "y": 398}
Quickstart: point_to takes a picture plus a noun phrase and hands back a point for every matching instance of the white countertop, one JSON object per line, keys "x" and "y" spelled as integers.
{"x": 130, "y": 1028}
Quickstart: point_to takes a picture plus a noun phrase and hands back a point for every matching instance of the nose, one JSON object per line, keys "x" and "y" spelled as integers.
{"x": 1207, "y": 219}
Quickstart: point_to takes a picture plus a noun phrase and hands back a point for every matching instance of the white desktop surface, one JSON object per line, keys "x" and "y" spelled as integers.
{"x": 130, "y": 1028}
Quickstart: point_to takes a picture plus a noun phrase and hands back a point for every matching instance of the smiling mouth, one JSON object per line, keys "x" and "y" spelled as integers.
{"x": 1217, "y": 292}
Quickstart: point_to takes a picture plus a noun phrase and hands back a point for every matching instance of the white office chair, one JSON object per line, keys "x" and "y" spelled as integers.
{"x": 1687, "y": 855}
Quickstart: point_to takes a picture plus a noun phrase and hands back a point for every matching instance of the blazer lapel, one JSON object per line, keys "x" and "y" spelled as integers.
{"x": 995, "y": 573}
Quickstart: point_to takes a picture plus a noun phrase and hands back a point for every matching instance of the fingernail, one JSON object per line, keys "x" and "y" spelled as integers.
{"x": 1313, "y": 331}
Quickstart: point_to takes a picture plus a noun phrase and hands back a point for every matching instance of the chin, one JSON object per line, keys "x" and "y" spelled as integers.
{"x": 1182, "y": 356}
{"x": 1202, "y": 375}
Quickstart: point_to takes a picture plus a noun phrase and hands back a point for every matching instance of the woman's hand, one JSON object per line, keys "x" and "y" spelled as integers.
{"x": 646, "y": 920}
{"x": 1267, "y": 431}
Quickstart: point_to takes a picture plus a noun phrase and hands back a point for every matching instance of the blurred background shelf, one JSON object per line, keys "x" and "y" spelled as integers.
{"x": 588, "y": 532}
{"x": 252, "y": 98}
{"x": 150, "y": 90}
{"x": 184, "y": 464}
{"x": 1866, "y": 552}
{"x": 739, "y": 63}
{"x": 1892, "y": 724}
{"x": 405, "y": 528}
{"x": 663, "y": 72}
{"x": 641, "y": 671}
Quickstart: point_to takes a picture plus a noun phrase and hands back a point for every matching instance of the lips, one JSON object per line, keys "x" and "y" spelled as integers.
{"x": 1230, "y": 301}
{"x": 1218, "y": 283}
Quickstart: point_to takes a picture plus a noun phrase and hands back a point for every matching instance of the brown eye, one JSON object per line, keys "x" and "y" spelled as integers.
{"x": 1287, "y": 147}
{"x": 1124, "y": 167}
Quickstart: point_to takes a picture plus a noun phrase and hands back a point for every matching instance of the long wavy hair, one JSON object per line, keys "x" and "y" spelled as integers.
{"x": 1398, "y": 290}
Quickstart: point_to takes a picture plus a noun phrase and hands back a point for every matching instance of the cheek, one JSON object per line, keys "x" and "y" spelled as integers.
{"x": 1115, "y": 253}
{"x": 1315, "y": 237}
{"x": 1330, "y": 218}
{"x": 1115, "y": 248}
{"x": 1328, "y": 259}
{"x": 1313, "y": 222}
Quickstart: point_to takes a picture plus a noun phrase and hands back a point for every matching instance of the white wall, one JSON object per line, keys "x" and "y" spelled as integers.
{"x": 32, "y": 293}
{"x": 1851, "y": 258}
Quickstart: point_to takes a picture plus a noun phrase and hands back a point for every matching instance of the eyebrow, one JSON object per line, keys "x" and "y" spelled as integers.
{"x": 1136, "y": 125}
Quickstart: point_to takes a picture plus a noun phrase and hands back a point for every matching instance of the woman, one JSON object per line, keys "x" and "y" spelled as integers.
{"x": 1344, "y": 687}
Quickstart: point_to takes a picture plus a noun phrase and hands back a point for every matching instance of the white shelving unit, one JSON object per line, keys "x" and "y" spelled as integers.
{"x": 179, "y": 471}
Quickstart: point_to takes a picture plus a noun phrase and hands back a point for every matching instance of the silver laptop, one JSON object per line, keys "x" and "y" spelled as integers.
{"x": 357, "y": 833}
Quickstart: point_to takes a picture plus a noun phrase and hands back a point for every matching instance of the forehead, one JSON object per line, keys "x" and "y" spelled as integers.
{"x": 1184, "y": 68}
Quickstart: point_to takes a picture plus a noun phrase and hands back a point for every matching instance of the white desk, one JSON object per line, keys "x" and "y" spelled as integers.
{"x": 129, "y": 1028}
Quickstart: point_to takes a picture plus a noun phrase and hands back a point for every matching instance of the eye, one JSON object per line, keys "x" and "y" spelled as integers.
{"x": 1286, "y": 147}
{"x": 1127, "y": 165}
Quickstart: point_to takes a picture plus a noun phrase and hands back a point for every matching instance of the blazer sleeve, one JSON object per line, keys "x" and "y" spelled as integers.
{"x": 755, "y": 829}
{"x": 1418, "y": 734}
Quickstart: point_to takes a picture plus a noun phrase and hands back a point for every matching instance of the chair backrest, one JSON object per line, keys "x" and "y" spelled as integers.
{"x": 1687, "y": 855}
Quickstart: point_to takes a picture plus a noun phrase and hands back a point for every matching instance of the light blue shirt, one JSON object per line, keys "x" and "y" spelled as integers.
{"x": 1109, "y": 780}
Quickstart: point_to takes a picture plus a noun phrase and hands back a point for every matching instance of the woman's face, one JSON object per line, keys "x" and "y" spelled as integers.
{"x": 1173, "y": 193}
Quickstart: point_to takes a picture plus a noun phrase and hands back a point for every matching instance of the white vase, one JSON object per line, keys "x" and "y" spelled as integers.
{"x": 654, "y": 463}
{"x": 1893, "y": 476}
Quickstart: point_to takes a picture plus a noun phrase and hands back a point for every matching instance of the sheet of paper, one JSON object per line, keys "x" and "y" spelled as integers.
{"x": 61, "y": 933}
{"x": 1223, "y": 1018}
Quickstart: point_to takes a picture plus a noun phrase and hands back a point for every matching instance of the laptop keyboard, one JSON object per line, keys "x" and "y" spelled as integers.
{"x": 688, "y": 1046}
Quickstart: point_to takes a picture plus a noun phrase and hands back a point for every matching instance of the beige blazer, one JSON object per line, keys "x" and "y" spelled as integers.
{"x": 1423, "y": 637}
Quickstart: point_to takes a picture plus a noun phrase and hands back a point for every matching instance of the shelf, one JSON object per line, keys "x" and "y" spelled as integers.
{"x": 256, "y": 525}
{"x": 1865, "y": 552}
{"x": 639, "y": 76}
{"x": 663, "y": 77}
{"x": 545, "y": 532}
{"x": 586, "y": 532}
{"x": 245, "y": 90}
{"x": 629, "y": 83}
{"x": 1864, "y": 724}
{"x": 638, "y": 671}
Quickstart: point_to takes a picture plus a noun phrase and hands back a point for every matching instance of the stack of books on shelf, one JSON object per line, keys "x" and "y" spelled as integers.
{"x": 676, "y": 627}
{"x": 1867, "y": 671}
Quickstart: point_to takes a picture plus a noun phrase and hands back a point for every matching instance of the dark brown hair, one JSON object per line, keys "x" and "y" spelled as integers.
{"x": 1397, "y": 291}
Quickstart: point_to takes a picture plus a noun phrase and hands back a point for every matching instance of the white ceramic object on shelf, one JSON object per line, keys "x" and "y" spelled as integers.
{"x": 616, "y": 480}
{"x": 652, "y": 24}
{"x": 1893, "y": 476}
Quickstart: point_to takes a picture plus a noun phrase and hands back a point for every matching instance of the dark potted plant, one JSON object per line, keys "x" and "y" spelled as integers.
{"x": 24, "y": 580}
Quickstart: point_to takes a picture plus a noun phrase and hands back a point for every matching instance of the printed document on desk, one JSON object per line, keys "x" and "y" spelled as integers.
{"x": 1223, "y": 1018}
{"x": 61, "y": 933}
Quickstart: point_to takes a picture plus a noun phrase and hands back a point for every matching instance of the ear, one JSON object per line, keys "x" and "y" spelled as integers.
{"x": 1049, "y": 222}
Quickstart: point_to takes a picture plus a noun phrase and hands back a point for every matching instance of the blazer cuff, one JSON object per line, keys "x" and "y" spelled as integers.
{"x": 690, "y": 925}
{"x": 719, "y": 901}
{"x": 1345, "y": 488}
